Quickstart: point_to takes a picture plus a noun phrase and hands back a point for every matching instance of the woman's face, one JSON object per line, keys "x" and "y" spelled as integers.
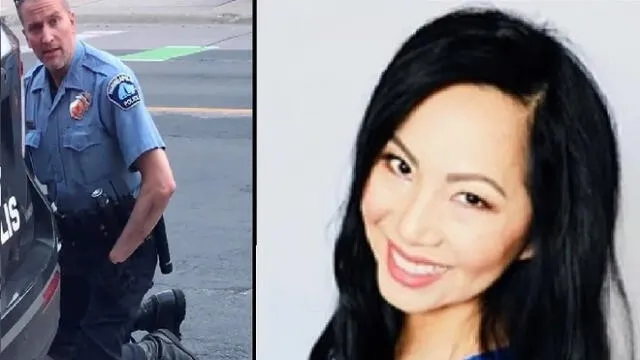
{"x": 445, "y": 207}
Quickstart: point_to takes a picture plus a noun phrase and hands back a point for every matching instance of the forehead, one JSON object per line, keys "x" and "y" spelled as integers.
{"x": 37, "y": 10}
{"x": 468, "y": 126}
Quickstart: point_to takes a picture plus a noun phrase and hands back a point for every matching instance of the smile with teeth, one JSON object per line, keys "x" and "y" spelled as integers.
{"x": 412, "y": 272}
{"x": 415, "y": 268}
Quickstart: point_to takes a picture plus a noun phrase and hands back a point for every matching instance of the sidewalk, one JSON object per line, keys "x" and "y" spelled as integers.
{"x": 150, "y": 11}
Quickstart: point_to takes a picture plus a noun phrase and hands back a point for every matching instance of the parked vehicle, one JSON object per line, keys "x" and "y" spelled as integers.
{"x": 29, "y": 273}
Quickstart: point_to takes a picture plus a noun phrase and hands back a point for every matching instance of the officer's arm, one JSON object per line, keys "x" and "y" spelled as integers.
{"x": 143, "y": 150}
{"x": 158, "y": 185}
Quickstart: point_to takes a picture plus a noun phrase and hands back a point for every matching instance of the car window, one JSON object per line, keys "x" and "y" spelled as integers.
{"x": 5, "y": 44}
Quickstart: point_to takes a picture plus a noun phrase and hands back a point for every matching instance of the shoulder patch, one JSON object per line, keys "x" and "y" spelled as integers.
{"x": 123, "y": 92}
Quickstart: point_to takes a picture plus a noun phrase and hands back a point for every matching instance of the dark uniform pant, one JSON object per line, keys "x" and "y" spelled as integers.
{"x": 99, "y": 301}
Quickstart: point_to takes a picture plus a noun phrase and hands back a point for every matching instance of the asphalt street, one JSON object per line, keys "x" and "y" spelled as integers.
{"x": 202, "y": 106}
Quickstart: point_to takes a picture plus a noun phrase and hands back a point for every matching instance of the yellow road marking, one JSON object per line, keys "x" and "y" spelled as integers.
{"x": 200, "y": 110}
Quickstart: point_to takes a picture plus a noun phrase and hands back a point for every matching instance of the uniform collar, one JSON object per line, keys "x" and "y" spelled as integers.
{"x": 72, "y": 80}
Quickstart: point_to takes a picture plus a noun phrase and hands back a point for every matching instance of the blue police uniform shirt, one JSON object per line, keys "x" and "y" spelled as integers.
{"x": 89, "y": 134}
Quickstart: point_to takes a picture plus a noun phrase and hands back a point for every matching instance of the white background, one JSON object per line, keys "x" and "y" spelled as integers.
{"x": 318, "y": 62}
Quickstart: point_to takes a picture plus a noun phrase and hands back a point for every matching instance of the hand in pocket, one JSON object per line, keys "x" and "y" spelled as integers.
{"x": 116, "y": 279}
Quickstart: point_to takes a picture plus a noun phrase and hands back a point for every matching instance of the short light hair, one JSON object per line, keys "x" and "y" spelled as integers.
{"x": 20, "y": 3}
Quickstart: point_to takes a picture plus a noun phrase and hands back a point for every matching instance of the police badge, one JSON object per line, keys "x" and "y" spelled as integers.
{"x": 80, "y": 105}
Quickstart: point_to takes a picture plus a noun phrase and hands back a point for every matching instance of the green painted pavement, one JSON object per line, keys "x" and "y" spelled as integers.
{"x": 165, "y": 53}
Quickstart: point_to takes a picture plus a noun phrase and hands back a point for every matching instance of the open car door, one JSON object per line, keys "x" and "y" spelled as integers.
{"x": 29, "y": 273}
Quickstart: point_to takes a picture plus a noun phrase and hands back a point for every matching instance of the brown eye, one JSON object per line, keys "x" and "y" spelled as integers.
{"x": 400, "y": 166}
{"x": 472, "y": 200}
{"x": 397, "y": 165}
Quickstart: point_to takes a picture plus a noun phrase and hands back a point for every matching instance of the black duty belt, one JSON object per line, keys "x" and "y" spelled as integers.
{"x": 100, "y": 229}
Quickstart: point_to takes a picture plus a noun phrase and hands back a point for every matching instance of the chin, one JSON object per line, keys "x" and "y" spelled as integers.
{"x": 53, "y": 64}
{"x": 409, "y": 301}
{"x": 57, "y": 64}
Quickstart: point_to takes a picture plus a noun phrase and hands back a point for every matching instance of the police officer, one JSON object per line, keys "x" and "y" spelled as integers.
{"x": 87, "y": 127}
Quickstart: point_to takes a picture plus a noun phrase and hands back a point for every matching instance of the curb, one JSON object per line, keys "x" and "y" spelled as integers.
{"x": 108, "y": 19}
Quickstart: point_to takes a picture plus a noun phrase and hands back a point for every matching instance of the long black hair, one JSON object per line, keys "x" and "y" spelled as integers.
{"x": 554, "y": 306}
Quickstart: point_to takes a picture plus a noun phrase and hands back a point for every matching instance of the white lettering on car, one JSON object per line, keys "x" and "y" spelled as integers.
{"x": 10, "y": 219}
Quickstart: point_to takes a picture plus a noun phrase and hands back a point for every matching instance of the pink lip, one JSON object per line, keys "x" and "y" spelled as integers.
{"x": 414, "y": 259}
{"x": 50, "y": 52}
{"x": 407, "y": 279}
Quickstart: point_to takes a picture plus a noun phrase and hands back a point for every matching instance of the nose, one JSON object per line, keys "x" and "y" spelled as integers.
{"x": 47, "y": 34}
{"x": 419, "y": 220}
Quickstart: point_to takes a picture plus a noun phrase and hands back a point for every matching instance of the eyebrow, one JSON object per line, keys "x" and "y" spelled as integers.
{"x": 405, "y": 150}
{"x": 39, "y": 23}
{"x": 455, "y": 177}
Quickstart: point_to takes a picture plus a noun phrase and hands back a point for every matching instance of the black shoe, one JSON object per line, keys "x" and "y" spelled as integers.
{"x": 164, "y": 345}
{"x": 164, "y": 310}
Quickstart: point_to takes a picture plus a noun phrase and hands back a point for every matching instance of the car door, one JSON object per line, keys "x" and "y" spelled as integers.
{"x": 28, "y": 244}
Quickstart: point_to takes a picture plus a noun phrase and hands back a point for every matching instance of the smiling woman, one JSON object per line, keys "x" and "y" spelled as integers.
{"x": 488, "y": 213}
{"x": 444, "y": 205}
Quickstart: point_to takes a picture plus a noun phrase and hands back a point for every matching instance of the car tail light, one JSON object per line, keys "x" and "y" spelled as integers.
{"x": 51, "y": 288}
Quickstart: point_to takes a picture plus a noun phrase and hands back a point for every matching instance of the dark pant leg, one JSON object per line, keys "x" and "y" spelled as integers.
{"x": 116, "y": 294}
{"x": 74, "y": 300}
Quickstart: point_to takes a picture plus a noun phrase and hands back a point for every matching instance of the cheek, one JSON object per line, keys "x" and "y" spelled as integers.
{"x": 486, "y": 246}
{"x": 377, "y": 198}
{"x": 376, "y": 206}
{"x": 480, "y": 258}
{"x": 31, "y": 40}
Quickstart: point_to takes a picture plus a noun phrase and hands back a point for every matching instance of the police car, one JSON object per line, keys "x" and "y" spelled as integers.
{"x": 29, "y": 273}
